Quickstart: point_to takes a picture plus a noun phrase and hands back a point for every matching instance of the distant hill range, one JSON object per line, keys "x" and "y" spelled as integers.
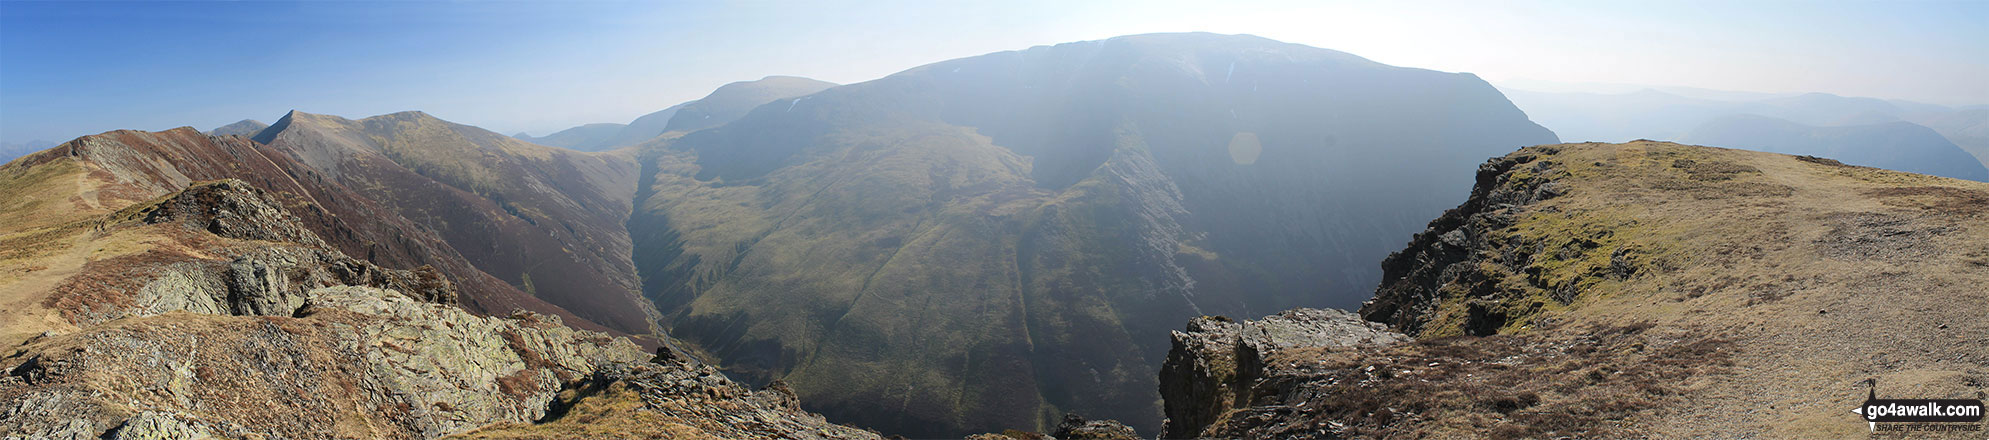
{"x": 727, "y": 103}
{"x": 1895, "y": 145}
{"x": 1654, "y": 114}
{"x": 11, "y": 150}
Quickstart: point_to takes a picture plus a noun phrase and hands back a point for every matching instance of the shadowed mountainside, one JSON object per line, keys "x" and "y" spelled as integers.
{"x": 546, "y": 220}
{"x": 985, "y": 243}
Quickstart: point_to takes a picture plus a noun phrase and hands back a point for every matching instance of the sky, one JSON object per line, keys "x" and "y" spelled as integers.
{"x": 74, "y": 68}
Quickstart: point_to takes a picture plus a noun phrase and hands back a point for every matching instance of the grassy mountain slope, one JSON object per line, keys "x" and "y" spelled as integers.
{"x": 546, "y": 220}
{"x": 1627, "y": 287}
{"x": 982, "y": 243}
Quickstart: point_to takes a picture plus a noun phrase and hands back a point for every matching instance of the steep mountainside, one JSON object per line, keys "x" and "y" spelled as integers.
{"x": 548, "y": 221}
{"x": 986, "y": 243}
{"x": 1896, "y": 145}
{"x": 1655, "y": 290}
{"x": 48, "y": 191}
{"x": 245, "y": 128}
{"x": 213, "y": 312}
{"x": 590, "y": 137}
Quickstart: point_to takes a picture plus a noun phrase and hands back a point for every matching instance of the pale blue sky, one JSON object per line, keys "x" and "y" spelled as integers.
{"x": 69, "y": 69}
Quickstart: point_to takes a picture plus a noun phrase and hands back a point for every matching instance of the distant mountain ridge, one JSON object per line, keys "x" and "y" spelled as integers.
{"x": 724, "y": 105}
{"x": 1653, "y": 114}
{"x": 590, "y": 137}
{"x": 1895, "y": 145}
{"x": 244, "y": 128}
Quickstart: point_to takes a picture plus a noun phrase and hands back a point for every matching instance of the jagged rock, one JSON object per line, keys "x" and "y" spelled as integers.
{"x": 268, "y": 272}
{"x": 228, "y": 208}
{"x": 1212, "y": 366}
{"x": 673, "y": 397}
{"x": 157, "y": 426}
{"x": 360, "y": 362}
{"x": 1075, "y": 427}
{"x": 1447, "y": 251}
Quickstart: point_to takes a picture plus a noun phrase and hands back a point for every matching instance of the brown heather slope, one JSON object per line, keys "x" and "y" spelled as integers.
{"x": 545, "y": 220}
{"x": 51, "y": 196}
{"x": 1657, "y": 290}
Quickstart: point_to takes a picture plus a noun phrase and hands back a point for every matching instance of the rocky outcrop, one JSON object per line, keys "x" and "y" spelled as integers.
{"x": 673, "y": 396}
{"x": 1075, "y": 427}
{"x": 1448, "y": 253}
{"x": 266, "y": 267}
{"x": 359, "y": 362}
{"x": 228, "y": 208}
{"x": 1215, "y": 364}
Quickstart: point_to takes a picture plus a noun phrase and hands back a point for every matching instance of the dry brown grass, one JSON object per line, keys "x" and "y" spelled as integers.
{"x": 1818, "y": 276}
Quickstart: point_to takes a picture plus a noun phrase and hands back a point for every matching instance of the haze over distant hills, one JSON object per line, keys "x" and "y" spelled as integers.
{"x": 1654, "y": 114}
{"x": 245, "y": 128}
{"x": 590, "y": 137}
{"x": 727, "y": 103}
{"x": 11, "y": 150}
{"x": 1896, "y": 145}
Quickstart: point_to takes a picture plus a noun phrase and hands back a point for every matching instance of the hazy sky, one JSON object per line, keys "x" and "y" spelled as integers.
{"x": 69, "y": 69}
